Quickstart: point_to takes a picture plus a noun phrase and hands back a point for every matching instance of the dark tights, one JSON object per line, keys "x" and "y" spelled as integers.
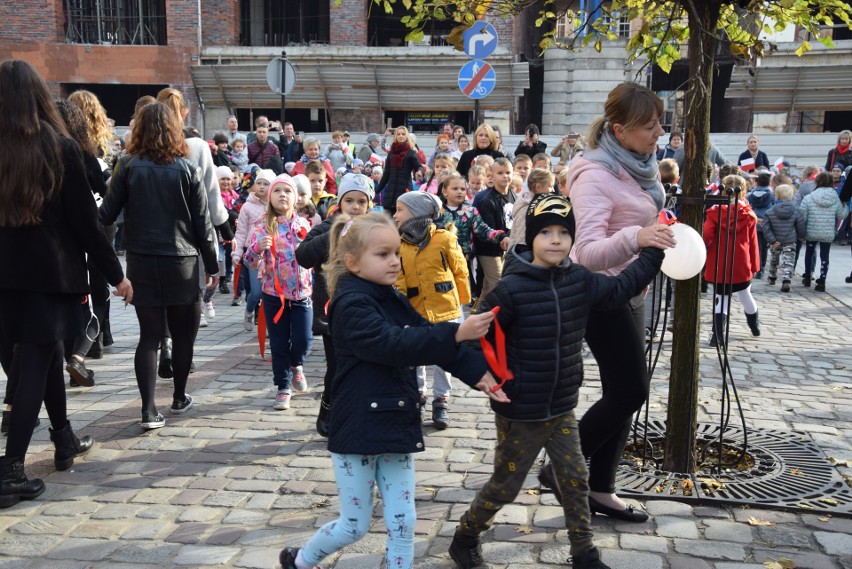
{"x": 41, "y": 365}
{"x": 616, "y": 343}
{"x": 183, "y": 324}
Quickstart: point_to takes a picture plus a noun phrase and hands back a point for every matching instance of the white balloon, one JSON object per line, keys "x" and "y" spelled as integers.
{"x": 687, "y": 257}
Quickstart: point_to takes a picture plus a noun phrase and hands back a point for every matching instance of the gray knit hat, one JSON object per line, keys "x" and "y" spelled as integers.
{"x": 421, "y": 204}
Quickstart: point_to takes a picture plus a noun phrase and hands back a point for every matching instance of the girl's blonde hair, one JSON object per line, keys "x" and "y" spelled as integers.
{"x": 354, "y": 243}
{"x": 97, "y": 123}
{"x": 785, "y": 192}
{"x": 540, "y": 177}
{"x": 628, "y": 104}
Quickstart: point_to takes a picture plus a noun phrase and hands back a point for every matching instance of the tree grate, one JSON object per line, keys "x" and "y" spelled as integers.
{"x": 790, "y": 472}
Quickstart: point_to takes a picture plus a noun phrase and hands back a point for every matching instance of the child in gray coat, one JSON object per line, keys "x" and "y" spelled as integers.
{"x": 779, "y": 228}
{"x": 819, "y": 215}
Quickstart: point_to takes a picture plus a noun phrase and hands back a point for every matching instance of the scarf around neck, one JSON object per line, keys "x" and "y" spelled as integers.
{"x": 641, "y": 167}
{"x": 415, "y": 230}
{"x": 398, "y": 152}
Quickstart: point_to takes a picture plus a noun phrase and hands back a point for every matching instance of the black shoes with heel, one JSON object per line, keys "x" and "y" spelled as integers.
{"x": 628, "y": 514}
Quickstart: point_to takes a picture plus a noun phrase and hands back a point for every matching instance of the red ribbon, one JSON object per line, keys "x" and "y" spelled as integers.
{"x": 498, "y": 362}
{"x": 278, "y": 287}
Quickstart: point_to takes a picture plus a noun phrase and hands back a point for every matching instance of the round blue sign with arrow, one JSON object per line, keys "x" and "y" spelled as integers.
{"x": 480, "y": 40}
{"x": 477, "y": 79}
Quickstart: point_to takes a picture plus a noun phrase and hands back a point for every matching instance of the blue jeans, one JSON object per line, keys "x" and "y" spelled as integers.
{"x": 356, "y": 476}
{"x": 290, "y": 339}
{"x": 252, "y": 286}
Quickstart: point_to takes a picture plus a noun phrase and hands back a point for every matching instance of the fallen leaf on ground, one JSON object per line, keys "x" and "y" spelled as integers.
{"x": 524, "y": 529}
{"x": 753, "y": 521}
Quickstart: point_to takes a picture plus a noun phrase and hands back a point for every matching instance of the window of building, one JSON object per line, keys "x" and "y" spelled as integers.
{"x": 386, "y": 30}
{"x": 115, "y": 22}
{"x": 619, "y": 24}
{"x": 283, "y": 23}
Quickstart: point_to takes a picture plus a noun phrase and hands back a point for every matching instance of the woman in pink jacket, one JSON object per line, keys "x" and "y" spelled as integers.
{"x": 616, "y": 194}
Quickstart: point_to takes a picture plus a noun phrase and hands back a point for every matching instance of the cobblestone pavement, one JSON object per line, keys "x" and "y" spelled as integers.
{"x": 232, "y": 481}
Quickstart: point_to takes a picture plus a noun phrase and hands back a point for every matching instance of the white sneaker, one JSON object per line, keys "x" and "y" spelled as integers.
{"x": 209, "y": 310}
{"x": 203, "y": 322}
{"x": 248, "y": 323}
{"x": 299, "y": 383}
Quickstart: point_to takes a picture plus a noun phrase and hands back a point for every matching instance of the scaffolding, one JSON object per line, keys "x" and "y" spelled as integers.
{"x": 115, "y": 22}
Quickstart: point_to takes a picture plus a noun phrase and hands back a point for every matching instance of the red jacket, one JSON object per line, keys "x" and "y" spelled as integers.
{"x": 744, "y": 252}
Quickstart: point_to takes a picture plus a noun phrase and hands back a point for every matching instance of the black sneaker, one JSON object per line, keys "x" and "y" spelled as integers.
{"x": 785, "y": 286}
{"x": 152, "y": 422}
{"x": 181, "y": 407}
{"x": 287, "y": 557}
{"x": 467, "y": 552}
{"x": 771, "y": 280}
{"x": 223, "y": 287}
{"x": 588, "y": 560}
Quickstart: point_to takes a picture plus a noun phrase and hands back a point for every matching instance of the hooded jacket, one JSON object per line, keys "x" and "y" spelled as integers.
{"x": 779, "y": 223}
{"x": 819, "y": 214}
{"x": 543, "y": 313}
{"x": 251, "y": 211}
{"x": 434, "y": 276}
{"x": 379, "y": 339}
{"x": 743, "y": 252}
{"x": 761, "y": 199}
{"x": 295, "y": 280}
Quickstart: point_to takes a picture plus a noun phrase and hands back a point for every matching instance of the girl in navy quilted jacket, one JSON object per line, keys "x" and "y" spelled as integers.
{"x": 375, "y": 416}
{"x": 286, "y": 287}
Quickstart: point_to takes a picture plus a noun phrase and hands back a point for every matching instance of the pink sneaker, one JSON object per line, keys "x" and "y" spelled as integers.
{"x": 299, "y": 383}
{"x": 282, "y": 401}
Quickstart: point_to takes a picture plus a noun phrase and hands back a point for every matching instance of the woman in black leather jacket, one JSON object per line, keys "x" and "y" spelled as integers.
{"x": 166, "y": 226}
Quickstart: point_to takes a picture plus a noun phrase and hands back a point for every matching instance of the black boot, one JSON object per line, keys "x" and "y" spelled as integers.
{"x": 820, "y": 285}
{"x": 849, "y": 278}
{"x": 754, "y": 322}
{"x": 588, "y": 560}
{"x": 806, "y": 279}
{"x": 466, "y": 551}
{"x": 440, "y": 416}
{"x": 68, "y": 446}
{"x": 164, "y": 370}
{"x": 323, "y": 416}
{"x": 96, "y": 351}
{"x": 14, "y": 485}
{"x": 719, "y": 322}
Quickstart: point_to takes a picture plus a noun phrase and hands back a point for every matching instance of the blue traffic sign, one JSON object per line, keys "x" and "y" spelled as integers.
{"x": 477, "y": 79}
{"x": 480, "y": 40}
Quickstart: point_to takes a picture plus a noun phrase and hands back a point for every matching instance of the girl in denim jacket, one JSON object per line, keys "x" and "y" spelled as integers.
{"x": 286, "y": 287}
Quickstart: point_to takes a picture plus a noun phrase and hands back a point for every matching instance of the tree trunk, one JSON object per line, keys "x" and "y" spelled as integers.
{"x": 681, "y": 422}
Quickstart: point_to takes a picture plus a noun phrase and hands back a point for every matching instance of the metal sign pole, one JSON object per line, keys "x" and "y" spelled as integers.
{"x": 476, "y": 122}
{"x": 283, "y": 82}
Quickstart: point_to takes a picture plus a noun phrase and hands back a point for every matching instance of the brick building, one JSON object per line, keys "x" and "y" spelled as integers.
{"x": 353, "y": 66}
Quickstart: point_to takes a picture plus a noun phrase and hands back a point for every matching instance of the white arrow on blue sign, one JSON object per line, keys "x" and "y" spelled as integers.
{"x": 480, "y": 40}
{"x": 477, "y": 79}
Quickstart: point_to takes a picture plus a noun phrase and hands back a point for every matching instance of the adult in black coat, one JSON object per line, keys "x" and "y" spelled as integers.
{"x": 754, "y": 153}
{"x": 484, "y": 142}
{"x": 48, "y": 222}
{"x": 401, "y": 165}
{"x": 531, "y": 145}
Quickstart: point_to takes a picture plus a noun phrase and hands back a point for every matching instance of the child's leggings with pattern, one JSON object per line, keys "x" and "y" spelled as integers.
{"x": 356, "y": 475}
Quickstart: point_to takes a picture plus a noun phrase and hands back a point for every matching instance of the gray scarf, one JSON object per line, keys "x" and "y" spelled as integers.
{"x": 641, "y": 167}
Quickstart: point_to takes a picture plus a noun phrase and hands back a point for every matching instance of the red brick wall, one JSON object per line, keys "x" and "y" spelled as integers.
{"x": 30, "y": 22}
{"x": 355, "y": 120}
{"x": 220, "y": 22}
{"x": 348, "y": 22}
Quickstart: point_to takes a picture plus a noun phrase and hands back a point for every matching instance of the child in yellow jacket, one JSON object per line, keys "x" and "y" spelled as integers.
{"x": 434, "y": 277}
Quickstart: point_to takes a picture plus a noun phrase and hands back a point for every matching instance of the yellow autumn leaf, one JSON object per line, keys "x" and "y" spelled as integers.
{"x": 753, "y": 521}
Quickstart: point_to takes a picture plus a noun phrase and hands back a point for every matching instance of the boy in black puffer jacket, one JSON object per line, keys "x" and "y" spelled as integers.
{"x": 544, "y": 302}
